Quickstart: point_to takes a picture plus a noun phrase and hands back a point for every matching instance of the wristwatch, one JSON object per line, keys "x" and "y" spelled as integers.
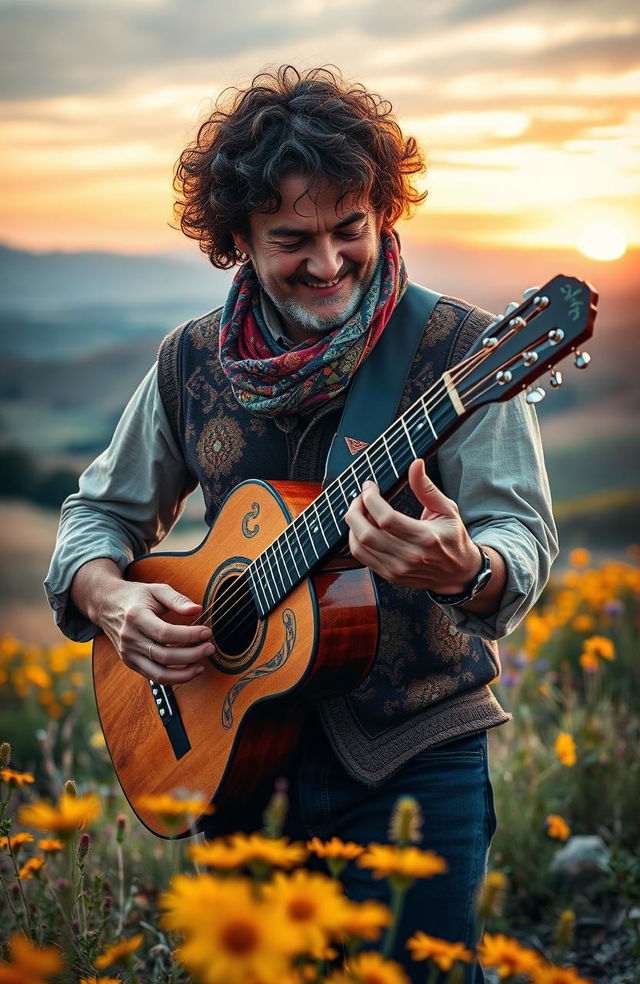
{"x": 474, "y": 587}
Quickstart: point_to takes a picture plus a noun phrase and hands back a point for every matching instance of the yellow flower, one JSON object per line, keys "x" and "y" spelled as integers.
{"x": 335, "y": 848}
{"x": 275, "y": 851}
{"x": 71, "y": 813}
{"x": 407, "y": 862}
{"x": 37, "y": 676}
{"x": 31, "y": 867}
{"x": 175, "y": 807}
{"x": 364, "y": 920}
{"x": 508, "y": 956}
{"x": 600, "y": 646}
{"x": 557, "y": 827}
{"x": 29, "y": 964}
{"x": 16, "y": 842}
{"x": 100, "y": 980}
{"x": 442, "y": 952}
{"x": 216, "y": 854}
{"x": 15, "y": 778}
{"x": 589, "y": 662}
{"x": 566, "y": 749}
{"x": 117, "y": 951}
{"x": 50, "y": 845}
{"x": 230, "y": 934}
{"x": 550, "y": 974}
{"x": 370, "y": 968}
{"x": 312, "y": 903}
{"x": 579, "y": 557}
{"x": 583, "y": 623}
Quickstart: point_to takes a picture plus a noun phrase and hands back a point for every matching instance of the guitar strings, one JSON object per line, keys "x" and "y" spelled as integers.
{"x": 429, "y": 400}
{"x": 458, "y": 374}
{"x": 236, "y": 591}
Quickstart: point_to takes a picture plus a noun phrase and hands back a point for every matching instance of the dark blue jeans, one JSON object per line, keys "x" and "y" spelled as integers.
{"x": 452, "y": 785}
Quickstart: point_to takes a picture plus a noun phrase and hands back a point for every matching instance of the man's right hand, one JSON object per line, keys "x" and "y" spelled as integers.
{"x": 130, "y": 614}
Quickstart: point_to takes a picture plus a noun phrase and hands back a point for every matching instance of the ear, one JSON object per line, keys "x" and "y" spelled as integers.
{"x": 242, "y": 243}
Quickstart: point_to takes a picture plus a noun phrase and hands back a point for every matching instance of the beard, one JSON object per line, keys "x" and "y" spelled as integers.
{"x": 320, "y": 319}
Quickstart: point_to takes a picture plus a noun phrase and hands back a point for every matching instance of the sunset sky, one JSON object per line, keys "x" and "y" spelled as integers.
{"x": 528, "y": 111}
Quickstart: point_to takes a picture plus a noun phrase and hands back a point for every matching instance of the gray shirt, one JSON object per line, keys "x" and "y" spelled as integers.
{"x": 133, "y": 493}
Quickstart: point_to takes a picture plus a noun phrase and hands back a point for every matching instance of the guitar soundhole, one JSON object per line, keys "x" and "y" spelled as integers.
{"x": 236, "y": 626}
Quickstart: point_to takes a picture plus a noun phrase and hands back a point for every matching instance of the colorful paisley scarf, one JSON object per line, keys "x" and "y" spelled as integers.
{"x": 271, "y": 382}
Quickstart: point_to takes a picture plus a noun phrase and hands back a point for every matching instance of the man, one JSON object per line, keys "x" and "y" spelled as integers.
{"x": 301, "y": 178}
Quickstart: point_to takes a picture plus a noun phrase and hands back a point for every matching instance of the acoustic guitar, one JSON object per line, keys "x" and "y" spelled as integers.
{"x": 291, "y": 618}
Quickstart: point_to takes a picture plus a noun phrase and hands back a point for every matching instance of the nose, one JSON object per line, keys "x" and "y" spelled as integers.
{"x": 324, "y": 261}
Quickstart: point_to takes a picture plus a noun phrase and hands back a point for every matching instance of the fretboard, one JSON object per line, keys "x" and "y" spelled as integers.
{"x": 320, "y": 529}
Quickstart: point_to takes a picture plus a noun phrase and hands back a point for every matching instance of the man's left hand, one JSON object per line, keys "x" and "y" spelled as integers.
{"x": 434, "y": 552}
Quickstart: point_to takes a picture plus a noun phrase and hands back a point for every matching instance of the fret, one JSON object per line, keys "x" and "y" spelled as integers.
{"x": 274, "y": 570}
{"x": 306, "y": 523}
{"x": 284, "y": 563}
{"x": 319, "y": 519}
{"x": 262, "y": 601}
{"x": 371, "y": 469}
{"x": 406, "y": 430}
{"x": 386, "y": 447}
{"x": 344, "y": 494}
{"x": 429, "y": 421}
{"x": 295, "y": 530}
{"x": 291, "y": 553}
{"x": 265, "y": 580}
{"x": 333, "y": 515}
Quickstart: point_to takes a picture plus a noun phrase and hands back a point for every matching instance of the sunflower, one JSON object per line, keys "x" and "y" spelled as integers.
{"x": 230, "y": 934}
{"x": 403, "y": 862}
{"x": 117, "y": 951}
{"x": 70, "y": 813}
{"x": 313, "y": 904}
{"x": 29, "y": 964}
{"x": 370, "y": 968}
{"x": 507, "y": 955}
{"x": 442, "y": 952}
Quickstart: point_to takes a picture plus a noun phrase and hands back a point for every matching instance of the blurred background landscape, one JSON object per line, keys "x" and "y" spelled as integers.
{"x": 530, "y": 127}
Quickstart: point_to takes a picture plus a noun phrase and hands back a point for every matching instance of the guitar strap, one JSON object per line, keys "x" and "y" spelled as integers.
{"x": 374, "y": 396}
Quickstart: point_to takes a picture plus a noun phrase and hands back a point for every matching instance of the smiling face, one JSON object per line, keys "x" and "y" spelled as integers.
{"x": 314, "y": 257}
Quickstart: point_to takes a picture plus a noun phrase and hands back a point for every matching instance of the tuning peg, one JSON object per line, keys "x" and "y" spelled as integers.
{"x": 536, "y": 395}
{"x": 511, "y": 306}
{"x": 555, "y": 335}
{"x": 529, "y": 292}
{"x": 582, "y": 360}
{"x": 529, "y": 358}
{"x": 556, "y": 379}
{"x": 503, "y": 376}
{"x": 489, "y": 342}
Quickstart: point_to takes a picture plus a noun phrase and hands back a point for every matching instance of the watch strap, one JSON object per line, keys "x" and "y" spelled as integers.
{"x": 473, "y": 588}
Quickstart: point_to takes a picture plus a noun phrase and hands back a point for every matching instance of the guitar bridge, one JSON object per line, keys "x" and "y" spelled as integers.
{"x": 169, "y": 713}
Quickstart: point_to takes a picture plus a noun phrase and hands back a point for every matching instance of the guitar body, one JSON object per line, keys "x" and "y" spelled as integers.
{"x": 225, "y": 734}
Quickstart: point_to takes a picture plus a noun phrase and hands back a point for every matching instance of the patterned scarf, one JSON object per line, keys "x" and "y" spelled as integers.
{"x": 271, "y": 382}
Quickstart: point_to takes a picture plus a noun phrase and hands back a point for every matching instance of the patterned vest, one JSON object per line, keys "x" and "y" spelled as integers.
{"x": 429, "y": 680}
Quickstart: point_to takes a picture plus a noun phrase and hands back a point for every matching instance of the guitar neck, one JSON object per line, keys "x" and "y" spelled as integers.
{"x": 320, "y": 529}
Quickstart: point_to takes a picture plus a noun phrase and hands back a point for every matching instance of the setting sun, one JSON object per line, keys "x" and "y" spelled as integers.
{"x": 602, "y": 241}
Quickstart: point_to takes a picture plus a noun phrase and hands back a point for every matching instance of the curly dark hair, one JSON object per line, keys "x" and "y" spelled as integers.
{"x": 286, "y": 122}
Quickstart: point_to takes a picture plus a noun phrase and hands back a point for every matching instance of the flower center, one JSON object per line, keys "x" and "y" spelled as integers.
{"x": 302, "y": 910}
{"x": 239, "y": 937}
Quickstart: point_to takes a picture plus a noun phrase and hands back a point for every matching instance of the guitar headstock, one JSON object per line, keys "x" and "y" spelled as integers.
{"x": 528, "y": 340}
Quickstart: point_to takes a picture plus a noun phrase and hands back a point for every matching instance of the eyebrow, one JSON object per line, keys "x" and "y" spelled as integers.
{"x": 293, "y": 231}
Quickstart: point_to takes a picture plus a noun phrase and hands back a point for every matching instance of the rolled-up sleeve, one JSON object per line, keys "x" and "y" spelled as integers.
{"x": 127, "y": 501}
{"x": 493, "y": 467}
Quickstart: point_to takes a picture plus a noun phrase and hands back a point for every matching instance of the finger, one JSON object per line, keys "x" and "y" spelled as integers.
{"x": 387, "y": 518}
{"x": 165, "y": 674}
{"x": 174, "y": 655}
{"x": 173, "y": 601}
{"x": 428, "y": 494}
{"x": 155, "y": 629}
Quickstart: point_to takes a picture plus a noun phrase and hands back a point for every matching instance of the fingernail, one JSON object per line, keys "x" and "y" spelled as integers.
{"x": 210, "y": 650}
